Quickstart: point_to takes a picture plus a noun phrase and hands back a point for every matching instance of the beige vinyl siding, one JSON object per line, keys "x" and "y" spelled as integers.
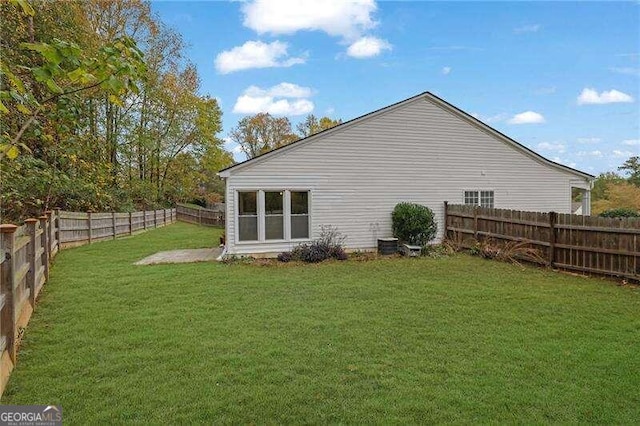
{"x": 416, "y": 152}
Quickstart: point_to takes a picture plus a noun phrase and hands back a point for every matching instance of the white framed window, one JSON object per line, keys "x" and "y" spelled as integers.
{"x": 482, "y": 198}
{"x": 486, "y": 199}
{"x": 273, "y": 215}
{"x": 247, "y": 215}
{"x": 471, "y": 198}
{"x": 299, "y": 214}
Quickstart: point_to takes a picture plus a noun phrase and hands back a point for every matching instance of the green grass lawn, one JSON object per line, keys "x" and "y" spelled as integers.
{"x": 457, "y": 339}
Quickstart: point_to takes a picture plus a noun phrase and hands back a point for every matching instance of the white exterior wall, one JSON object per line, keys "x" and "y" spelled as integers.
{"x": 416, "y": 152}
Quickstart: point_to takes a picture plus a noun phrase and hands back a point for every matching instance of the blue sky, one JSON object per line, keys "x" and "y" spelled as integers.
{"x": 562, "y": 78}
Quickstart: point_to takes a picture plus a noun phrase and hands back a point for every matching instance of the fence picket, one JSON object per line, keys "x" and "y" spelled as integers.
{"x": 607, "y": 246}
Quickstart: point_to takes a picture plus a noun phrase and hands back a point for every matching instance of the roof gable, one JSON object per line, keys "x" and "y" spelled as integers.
{"x": 428, "y": 97}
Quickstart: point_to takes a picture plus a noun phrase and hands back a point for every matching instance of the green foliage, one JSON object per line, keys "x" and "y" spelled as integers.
{"x": 261, "y": 133}
{"x": 99, "y": 95}
{"x": 413, "y": 223}
{"x": 312, "y": 125}
{"x": 620, "y": 212}
{"x": 632, "y": 168}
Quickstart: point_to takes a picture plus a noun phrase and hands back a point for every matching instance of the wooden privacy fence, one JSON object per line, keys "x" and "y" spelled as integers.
{"x": 200, "y": 216}
{"x": 85, "y": 228}
{"x": 607, "y": 246}
{"x": 25, "y": 257}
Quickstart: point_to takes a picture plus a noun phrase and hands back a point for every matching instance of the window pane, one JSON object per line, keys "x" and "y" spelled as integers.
{"x": 300, "y": 226}
{"x": 273, "y": 203}
{"x": 486, "y": 199}
{"x": 274, "y": 227}
{"x": 471, "y": 198}
{"x": 299, "y": 202}
{"x": 247, "y": 203}
{"x": 248, "y": 228}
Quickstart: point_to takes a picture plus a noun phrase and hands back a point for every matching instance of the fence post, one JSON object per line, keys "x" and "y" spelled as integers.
{"x": 199, "y": 217}
{"x": 164, "y": 213}
{"x": 57, "y": 223}
{"x": 130, "y": 223}
{"x": 475, "y": 223}
{"x": 9, "y": 317}
{"x": 113, "y": 224}
{"x": 31, "y": 259}
{"x": 46, "y": 243}
{"x": 144, "y": 219}
{"x": 553, "y": 217}
{"x": 446, "y": 218}
{"x": 155, "y": 218}
{"x": 90, "y": 222}
{"x": 50, "y": 230}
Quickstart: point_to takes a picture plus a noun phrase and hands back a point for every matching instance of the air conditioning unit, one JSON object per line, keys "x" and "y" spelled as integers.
{"x": 387, "y": 246}
{"x": 411, "y": 251}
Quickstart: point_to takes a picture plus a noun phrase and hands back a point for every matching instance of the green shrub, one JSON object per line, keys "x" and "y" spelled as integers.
{"x": 413, "y": 223}
{"x": 620, "y": 212}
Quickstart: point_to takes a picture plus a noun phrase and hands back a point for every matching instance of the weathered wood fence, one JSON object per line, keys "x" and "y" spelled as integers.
{"x": 26, "y": 253}
{"x": 204, "y": 217}
{"x": 607, "y": 246}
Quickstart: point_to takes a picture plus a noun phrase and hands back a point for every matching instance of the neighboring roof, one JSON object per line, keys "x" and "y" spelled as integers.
{"x": 427, "y": 96}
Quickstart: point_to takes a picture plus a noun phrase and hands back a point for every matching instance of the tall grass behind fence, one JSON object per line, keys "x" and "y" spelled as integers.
{"x": 204, "y": 217}
{"x": 598, "y": 245}
{"x": 25, "y": 257}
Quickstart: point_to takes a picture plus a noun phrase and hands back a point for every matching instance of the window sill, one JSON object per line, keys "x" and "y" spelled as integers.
{"x": 297, "y": 240}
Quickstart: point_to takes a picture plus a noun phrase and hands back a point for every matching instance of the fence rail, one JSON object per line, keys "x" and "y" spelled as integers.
{"x": 597, "y": 245}
{"x": 204, "y": 217}
{"x": 25, "y": 257}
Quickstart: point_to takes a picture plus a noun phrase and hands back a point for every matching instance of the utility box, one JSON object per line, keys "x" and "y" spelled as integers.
{"x": 411, "y": 251}
{"x": 387, "y": 246}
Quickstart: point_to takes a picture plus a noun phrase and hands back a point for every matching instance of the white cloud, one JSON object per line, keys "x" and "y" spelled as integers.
{"x": 282, "y": 90}
{"x": 595, "y": 153}
{"x": 527, "y": 29}
{"x": 366, "y": 47}
{"x": 622, "y": 154}
{"x": 631, "y": 142}
{"x": 527, "y": 117}
{"x": 589, "y": 140}
{"x": 626, "y": 70}
{"x": 255, "y": 54}
{"x": 552, "y": 147}
{"x": 282, "y": 99}
{"x": 338, "y": 18}
{"x": 350, "y": 20}
{"x": 591, "y": 96}
{"x": 446, "y": 70}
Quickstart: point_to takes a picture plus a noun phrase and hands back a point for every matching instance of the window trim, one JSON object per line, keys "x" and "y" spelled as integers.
{"x": 261, "y": 215}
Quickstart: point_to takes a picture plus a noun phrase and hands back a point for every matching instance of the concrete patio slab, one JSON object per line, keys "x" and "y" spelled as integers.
{"x": 182, "y": 256}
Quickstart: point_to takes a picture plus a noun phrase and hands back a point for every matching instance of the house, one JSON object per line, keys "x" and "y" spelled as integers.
{"x": 421, "y": 150}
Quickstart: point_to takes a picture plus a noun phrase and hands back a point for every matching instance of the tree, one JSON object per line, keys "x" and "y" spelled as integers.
{"x": 101, "y": 125}
{"x": 62, "y": 69}
{"x": 598, "y": 192}
{"x": 261, "y": 133}
{"x": 632, "y": 168}
{"x": 618, "y": 195}
{"x": 312, "y": 125}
